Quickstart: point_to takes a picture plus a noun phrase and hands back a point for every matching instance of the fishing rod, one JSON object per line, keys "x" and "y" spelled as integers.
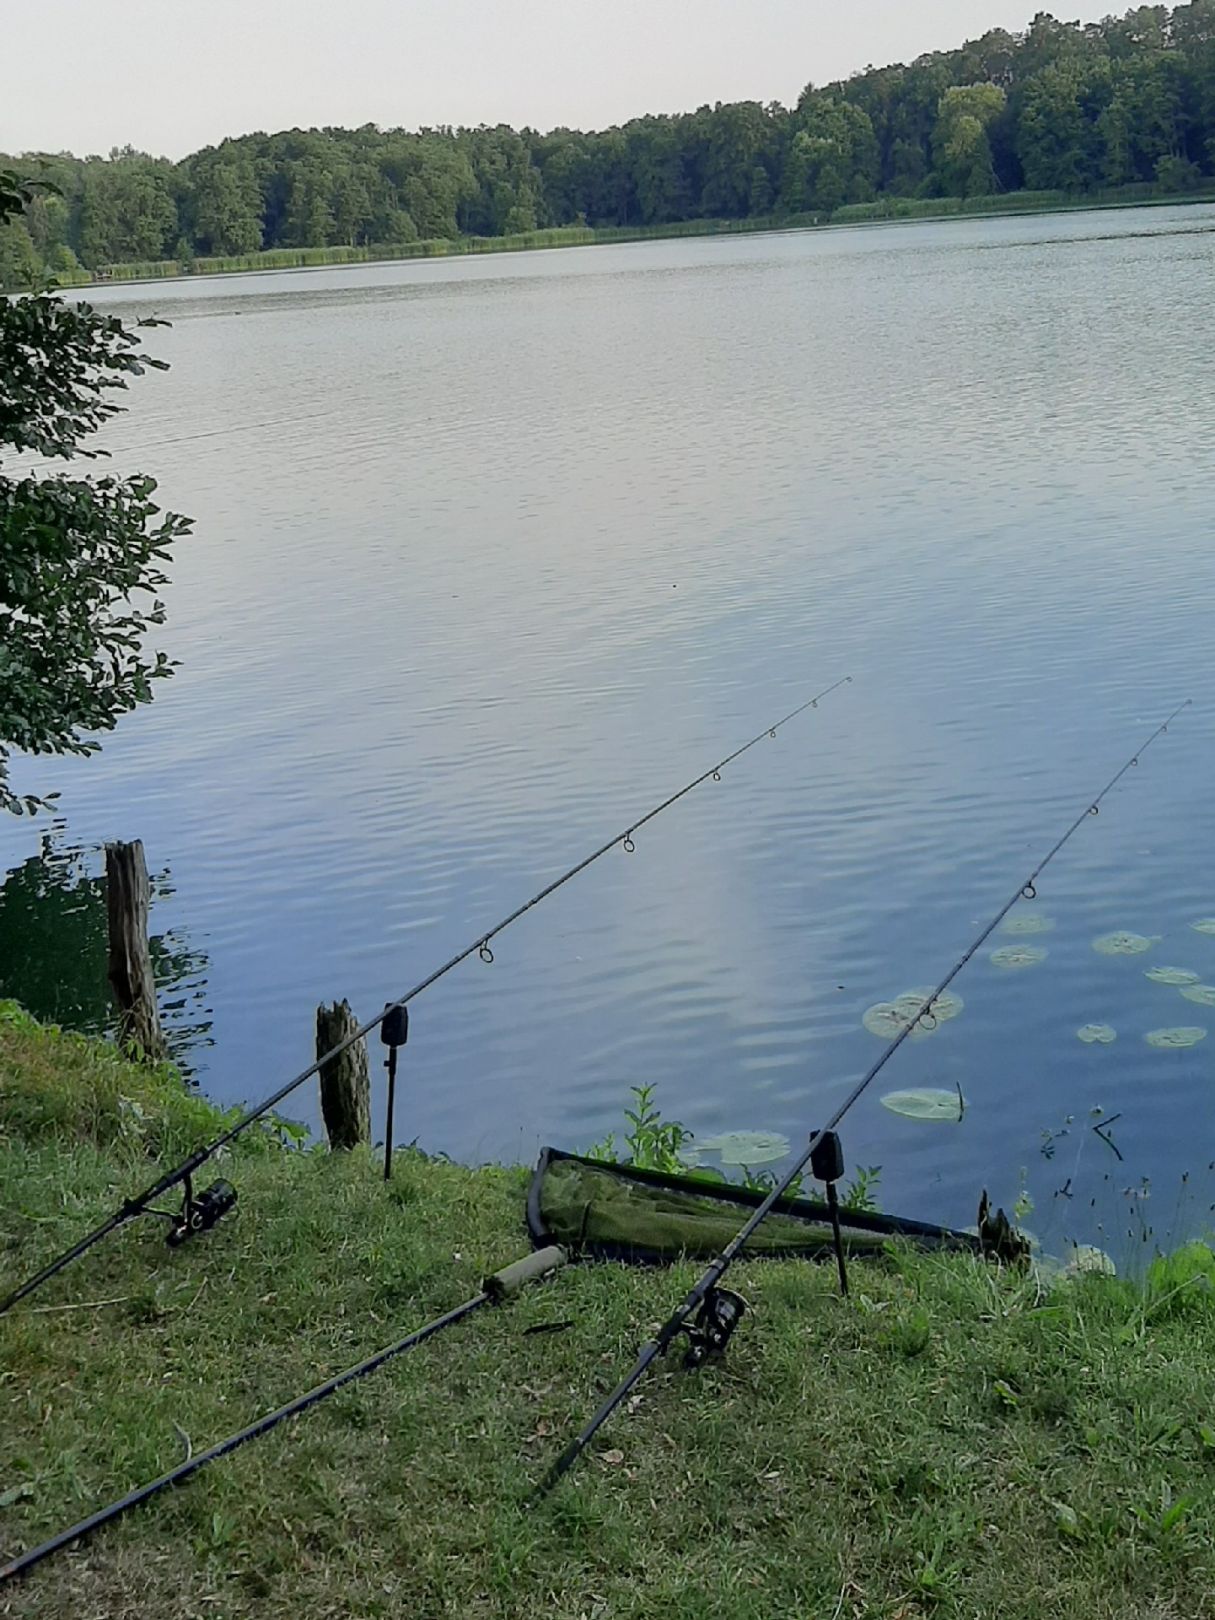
{"x": 495, "y": 1290}
{"x": 719, "y": 1313}
{"x": 200, "y": 1212}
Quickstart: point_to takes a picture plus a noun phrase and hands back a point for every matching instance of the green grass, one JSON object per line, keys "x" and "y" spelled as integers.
{"x": 435, "y": 247}
{"x": 948, "y": 1442}
{"x": 1012, "y": 202}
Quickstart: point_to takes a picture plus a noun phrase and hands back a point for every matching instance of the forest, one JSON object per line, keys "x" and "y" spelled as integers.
{"x": 1062, "y": 107}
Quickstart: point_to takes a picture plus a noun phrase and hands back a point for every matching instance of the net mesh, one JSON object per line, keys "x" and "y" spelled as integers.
{"x": 593, "y": 1206}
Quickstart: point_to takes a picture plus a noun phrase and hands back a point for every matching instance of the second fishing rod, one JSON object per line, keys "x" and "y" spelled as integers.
{"x": 698, "y": 1302}
{"x": 202, "y": 1210}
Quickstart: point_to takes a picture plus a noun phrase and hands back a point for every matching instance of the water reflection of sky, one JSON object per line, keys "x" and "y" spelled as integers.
{"x": 515, "y": 558}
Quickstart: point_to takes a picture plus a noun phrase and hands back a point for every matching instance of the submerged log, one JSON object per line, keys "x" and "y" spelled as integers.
{"x": 345, "y": 1084}
{"x": 128, "y": 894}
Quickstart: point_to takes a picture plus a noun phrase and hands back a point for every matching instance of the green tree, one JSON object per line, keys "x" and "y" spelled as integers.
{"x": 80, "y": 559}
{"x": 961, "y": 148}
{"x": 562, "y": 159}
{"x": 127, "y": 209}
{"x": 48, "y": 220}
{"x": 1058, "y": 141}
{"x": 506, "y": 192}
{"x": 658, "y": 159}
{"x": 1143, "y": 29}
{"x": 833, "y": 158}
{"x": 20, "y": 265}
{"x": 1178, "y": 174}
{"x": 740, "y": 135}
{"x": 308, "y": 217}
{"x": 437, "y": 180}
{"x": 761, "y": 196}
{"x": 224, "y": 210}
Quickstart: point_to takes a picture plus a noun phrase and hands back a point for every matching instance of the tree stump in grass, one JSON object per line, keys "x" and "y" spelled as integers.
{"x": 128, "y": 894}
{"x": 345, "y": 1085}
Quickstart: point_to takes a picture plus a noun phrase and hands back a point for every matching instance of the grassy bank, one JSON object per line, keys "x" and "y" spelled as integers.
{"x": 947, "y": 1442}
{"x": 883, "y": 211}
{"x": 439, "y": 247}
{"x": 886, "y": 209}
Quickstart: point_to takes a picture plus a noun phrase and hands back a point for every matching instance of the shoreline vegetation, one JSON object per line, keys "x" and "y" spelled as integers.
{"x": 888, "y": 211}
{"x": 1058, "y": 114}
{"x": 959, "y": 1438}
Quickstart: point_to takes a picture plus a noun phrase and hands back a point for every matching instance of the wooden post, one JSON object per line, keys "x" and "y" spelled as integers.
{"x": 130, "y": 961}
{"x": 345, "y": 1085}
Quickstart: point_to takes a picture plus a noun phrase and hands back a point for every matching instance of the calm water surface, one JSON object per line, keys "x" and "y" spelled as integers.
{"x": 491, "y": 554}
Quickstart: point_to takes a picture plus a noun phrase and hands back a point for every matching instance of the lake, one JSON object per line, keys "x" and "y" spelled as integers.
{"x": 492, "y": 554}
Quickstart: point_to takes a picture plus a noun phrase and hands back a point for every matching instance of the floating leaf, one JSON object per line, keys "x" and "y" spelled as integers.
{"x": 1203, "y": 994}
{"x": 1124, "y": 943}
{"x": 944, "y": 1007}
{"x": 1097, "y": 1034}
{"x": 890, "y": 1018}
{"x": 1204, "y": 925}
{"x": 1087, "y": 1261}
{"x": 1045, "y": 1270}
{"x": 1018, "y": 956}
{"x": 1027, "y": 922}
{"x": 747, "y": 1147}
{"x": 885, "y": 1020}
{"x": 927, "y": 1104}
{"x": 1175, "y": 1037}
{"x": 1171, "y": 975}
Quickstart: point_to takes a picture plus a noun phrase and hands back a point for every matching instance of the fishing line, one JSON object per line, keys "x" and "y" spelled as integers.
{"x": 109, "y": 452}
{"x": 197, "y": 1215}
{"x": 495, "y": 1290}
{"x": 704, "y": 1289}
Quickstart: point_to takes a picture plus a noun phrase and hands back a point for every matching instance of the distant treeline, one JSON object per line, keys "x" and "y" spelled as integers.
{"x": 1061, "y": 108}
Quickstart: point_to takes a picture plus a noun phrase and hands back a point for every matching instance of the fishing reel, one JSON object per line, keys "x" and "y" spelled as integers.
{"x": 720, "y": 1313}
{"x": 199, "y": 1213}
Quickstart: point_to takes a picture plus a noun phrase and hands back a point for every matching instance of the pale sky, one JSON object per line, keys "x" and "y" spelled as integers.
{"x": 169, "y": 76}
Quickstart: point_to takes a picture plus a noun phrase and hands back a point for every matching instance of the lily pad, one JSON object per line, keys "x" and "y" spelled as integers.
{"x": 747, "y": 1147}
{"x": 946, "y": 1106}
{"x": 1203, "y": 994}
{"x": 1204, "y": 925}
{"x": 1124, "y": 943}
{"x": 1046, "y": 1270}
{"x": 890, "y": 1018}
{"x": 1097, "y": 1034}
{"x": 1086, "y": 1261}
{"x": 1027, "y": 922}
{"x": 1171, "y": 975}
{"x": 1018, "y": 956}
{"x": 1172, "y": 1038}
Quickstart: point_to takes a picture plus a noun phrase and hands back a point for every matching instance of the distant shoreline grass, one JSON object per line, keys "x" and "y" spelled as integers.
{"x": 952, "y": 1440}
{"x": 884, "y": 211}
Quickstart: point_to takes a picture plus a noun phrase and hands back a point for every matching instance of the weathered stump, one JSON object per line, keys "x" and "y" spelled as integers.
{"x": 128, "y": 894}
{"x": 345, "y": 1084}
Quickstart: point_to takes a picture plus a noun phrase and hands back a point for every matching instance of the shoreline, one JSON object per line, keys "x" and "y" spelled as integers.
{"x": 993, "y": 1444}
{"x": 562, "y": 237}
